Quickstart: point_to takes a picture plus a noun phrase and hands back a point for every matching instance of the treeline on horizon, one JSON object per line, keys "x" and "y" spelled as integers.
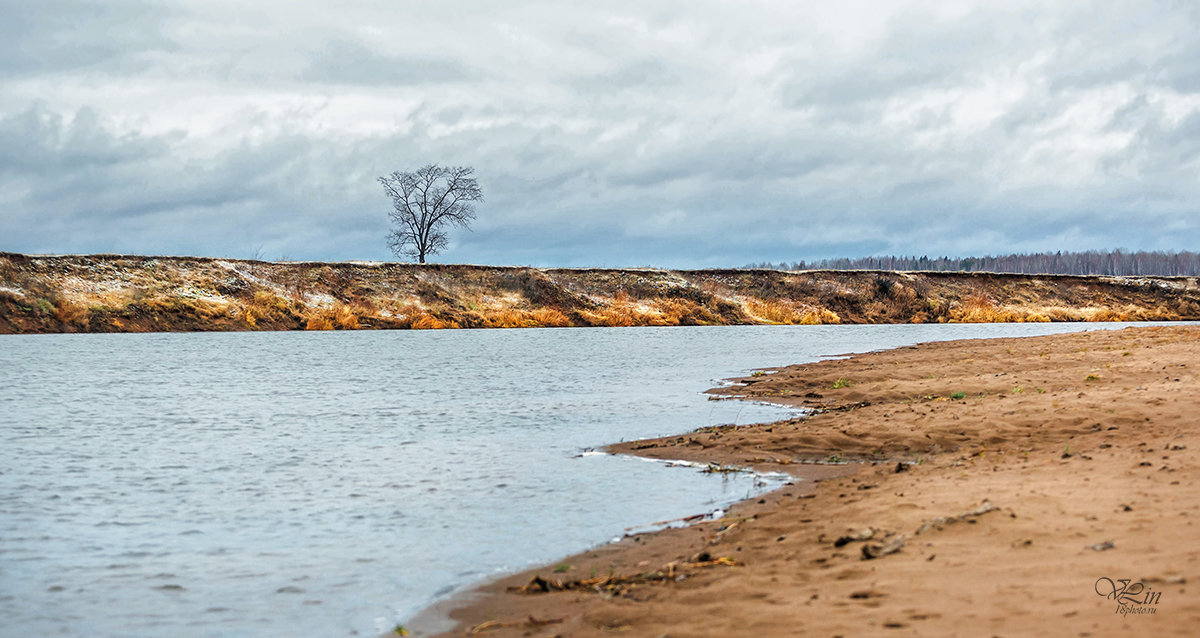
{"x": 1092, "y": 262}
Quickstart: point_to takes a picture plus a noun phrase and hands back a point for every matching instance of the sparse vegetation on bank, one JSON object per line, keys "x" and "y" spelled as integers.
{"x": 110, "y": 293}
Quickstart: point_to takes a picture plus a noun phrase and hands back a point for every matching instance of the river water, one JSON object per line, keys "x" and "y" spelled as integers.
{"x": 332, "y": 484}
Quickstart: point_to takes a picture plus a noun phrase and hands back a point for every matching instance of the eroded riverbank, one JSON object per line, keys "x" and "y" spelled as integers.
{"x": 121, "y": 293}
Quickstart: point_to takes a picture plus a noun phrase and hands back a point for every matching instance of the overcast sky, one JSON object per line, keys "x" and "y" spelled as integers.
{"x": 682, "y": 134}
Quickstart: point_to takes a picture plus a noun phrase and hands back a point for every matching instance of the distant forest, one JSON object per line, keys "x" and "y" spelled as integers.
{"x": 1092, "y": 262}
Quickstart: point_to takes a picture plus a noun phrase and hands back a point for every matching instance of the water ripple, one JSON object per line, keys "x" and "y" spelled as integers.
{"x": 300, "y": 484}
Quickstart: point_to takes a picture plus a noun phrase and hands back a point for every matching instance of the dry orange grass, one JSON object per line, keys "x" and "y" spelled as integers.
{"x": 819, "y": 316}
{"x": 1059, "y": 313}
{"x": 1130, "y": 312}
{"x": 270, "y": 300}
{"x": 1126, "y": 313}
{"x": 623, "y": 315}
{"x": 71, "y": 314}
{"x": 550, "y": 318}
{"x": 251, "y": 315}
{"x": 1101, "y": 314}
{"x": 980, "y": 309}
{"x": 318, "y": 322}
{"x": 203, "y": 309}
{"x": 610, "y": 317}
{"x": 338, "y": 317}
{"x": 771, "y": 311}
{"x": 425, "y": 321}
{"x": 518, "y": 318}
{"x": 265, "y": 305}
{"x": 414, "y": 316}
{"x": 1163, "y": 313}
{"x": 683, "y": 312}
{"x": 783, "y": 312}
{"x": 344, "y": 317}
{"x": 507, "y": 318}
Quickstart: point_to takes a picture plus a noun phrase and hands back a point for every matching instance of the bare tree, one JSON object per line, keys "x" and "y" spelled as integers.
{"x": 425, "y": 201}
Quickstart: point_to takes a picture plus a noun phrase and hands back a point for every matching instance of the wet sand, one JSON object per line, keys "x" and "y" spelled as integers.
{"x": 981, "y": 487}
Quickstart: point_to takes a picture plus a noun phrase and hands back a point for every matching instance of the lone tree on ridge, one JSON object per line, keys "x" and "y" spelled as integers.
{"x": 425, "y": 201}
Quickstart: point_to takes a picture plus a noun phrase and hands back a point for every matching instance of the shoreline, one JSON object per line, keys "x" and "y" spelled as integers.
{"x": 439, "y": 619}
{"x": 435, "y": 619}
{"x": 1000, "y": 482}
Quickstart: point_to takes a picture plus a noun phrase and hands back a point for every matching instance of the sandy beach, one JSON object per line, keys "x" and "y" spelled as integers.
{"x": 1032, "y": 486}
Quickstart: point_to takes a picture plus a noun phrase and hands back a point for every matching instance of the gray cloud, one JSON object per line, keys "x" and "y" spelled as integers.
{"x": 50, "y": 36}
{"x": 699, "y": 135}
{"x": 346, "y": 62}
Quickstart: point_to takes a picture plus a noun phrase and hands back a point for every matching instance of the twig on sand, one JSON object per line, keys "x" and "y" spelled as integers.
{"x": 617, "y": 584}
{"x": 685, "y": 519}
{"x": 942, "y": 521}
{"x": 888, "y": 546}
{"x": 496, "y": 624}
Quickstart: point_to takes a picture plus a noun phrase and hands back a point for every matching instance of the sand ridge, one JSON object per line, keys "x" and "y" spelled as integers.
{"x": 1030, "y": 486}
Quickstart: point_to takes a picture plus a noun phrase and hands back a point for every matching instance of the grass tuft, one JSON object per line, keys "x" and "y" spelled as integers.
{"x": 71, "y": 314}
{"x": 318, "y": 322}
